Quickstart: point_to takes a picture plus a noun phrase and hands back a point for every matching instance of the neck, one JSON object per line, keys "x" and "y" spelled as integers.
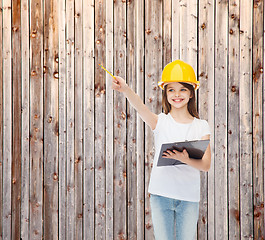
{"x": 181, "y": 114}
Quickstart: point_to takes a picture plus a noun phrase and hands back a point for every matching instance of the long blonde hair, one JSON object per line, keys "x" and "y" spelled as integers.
{"x": 191, "y": 104}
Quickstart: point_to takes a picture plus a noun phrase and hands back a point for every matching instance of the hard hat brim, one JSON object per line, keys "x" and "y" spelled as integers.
{"x": 163, "y": 84}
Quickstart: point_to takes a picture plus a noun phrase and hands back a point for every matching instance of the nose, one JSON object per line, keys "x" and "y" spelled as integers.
{"x": 177, "y": 94}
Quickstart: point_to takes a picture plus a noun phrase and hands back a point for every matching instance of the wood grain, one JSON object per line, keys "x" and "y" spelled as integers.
{"x": 7, "y": 121}
{"x": 70, "y": 121}
{"x": 220, "y": 121}
{"x": 119, "y": 104}
{"x": 51, "y": 115}
{"x": 89, "y": 120}
{"x": 76, "y": 158}
{"x": 233, "y": 151}
{"x": 36, "y": 120}
{"x": 258, "y": 118}
{"x": 246, "y": 130}
{"x": 25, "y": 121}
{"x": 16, "y": 149}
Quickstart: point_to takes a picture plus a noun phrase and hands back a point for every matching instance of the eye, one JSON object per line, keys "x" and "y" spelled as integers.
{"x": 171, "y": 90}
{"x": 183, "y": 90}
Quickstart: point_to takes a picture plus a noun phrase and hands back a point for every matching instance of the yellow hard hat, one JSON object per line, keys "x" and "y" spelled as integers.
{"x": 178, "y": 71}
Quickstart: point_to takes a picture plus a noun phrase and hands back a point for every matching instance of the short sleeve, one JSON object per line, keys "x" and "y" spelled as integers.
{"x": 159, "y": 122}
{"x": 205, "y": 128}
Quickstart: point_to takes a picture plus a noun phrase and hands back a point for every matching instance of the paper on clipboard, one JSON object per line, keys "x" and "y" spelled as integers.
{"x": 195, "y": 149}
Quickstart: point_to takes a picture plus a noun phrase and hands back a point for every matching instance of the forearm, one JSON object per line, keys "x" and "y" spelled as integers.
{"x": 147, "y": 116}
{"x": 135, "y": 100}
{"x": 200, "y": 164}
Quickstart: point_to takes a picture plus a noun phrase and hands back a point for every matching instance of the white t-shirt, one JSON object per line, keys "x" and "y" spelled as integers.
{"x": 180, "y": 182}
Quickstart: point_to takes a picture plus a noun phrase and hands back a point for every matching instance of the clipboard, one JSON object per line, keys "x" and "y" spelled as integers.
{"x": 195, "y": 149}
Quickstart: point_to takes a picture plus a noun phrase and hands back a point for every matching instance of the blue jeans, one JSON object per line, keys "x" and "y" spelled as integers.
{"x": 174, "y": 219}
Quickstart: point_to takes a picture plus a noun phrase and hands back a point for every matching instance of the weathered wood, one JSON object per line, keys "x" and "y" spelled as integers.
{"x": 70, "y": 121}
{"x": 140, "y": 124}
{"x": 167, "y": 31}
{"x": 153, "y": 70}
{"x": 7, "y": 120}
{"x": 191, "y": 30}
{"x": 1, "y": 122}
{"x": 175, "y": 30}
{"x": 97, "y": 155}
{"x": 109, "y": 122}
{"x": 258, "y": 117}
{"x": 120, "y": 179}
{"x": 131, "y": 126}
{"x": 205, "y": 108}
{"x": 233, "y": 122}
{"x": 78, "y": 137}
{"x": 100, "y": 121}
{"x": 62, "y": 154}
{"x": 51, "y": 127}
{"x": 210, "y": 8}
{"x": 221, "y": 223}
{"x": 25, "y": 121}
{"x": 88, "y": 111}
{"x": 16, "y": 148}
{"x": 183, "y": 30}
{"x": 246, "y": 131}
{"x": 36, "y": 119}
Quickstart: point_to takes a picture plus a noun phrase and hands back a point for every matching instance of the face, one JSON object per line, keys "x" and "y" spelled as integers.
{"x": 177, "y": 95}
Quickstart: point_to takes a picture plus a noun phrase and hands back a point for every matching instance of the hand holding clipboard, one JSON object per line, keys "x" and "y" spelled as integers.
{"x": 195, "y": 149}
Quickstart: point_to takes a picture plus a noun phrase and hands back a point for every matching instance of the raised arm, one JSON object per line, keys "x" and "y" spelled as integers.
{"x": 147, "y": 116}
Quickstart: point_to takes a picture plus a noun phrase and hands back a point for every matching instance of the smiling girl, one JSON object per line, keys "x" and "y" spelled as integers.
{"x": 175, "y": 190}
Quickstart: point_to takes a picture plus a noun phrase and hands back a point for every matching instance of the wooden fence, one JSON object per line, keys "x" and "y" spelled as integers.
{"x": 75, "y": 159}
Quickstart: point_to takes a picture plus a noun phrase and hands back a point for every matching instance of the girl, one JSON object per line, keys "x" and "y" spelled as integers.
{"x": 175, "y": 190}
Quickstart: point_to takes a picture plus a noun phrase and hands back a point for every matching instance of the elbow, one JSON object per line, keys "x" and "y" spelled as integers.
{"x": 207, "y": 166}
{"x": 206, "y": 169}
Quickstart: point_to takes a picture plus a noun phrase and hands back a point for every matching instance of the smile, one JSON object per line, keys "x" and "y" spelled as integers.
{"x": 177, "y": 100}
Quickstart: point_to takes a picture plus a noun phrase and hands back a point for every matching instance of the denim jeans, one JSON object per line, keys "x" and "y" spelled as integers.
{"x": 174, "y": 219}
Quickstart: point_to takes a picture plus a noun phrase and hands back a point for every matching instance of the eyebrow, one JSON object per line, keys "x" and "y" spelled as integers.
{"x": 174, "y": 88}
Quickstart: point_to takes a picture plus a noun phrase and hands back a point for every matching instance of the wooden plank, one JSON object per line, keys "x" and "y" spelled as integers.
{"x": 183, "y": 33}
{"x": 210, "y": 76}
{"x": 153, "y": 71}
{"x": 36, "y": 119}
{"x": 88, "y": 76}
{"x": 190, "y": 29}
{"x": 51, "y": 127}
{"x": 131, "y": 126}
{"x": 206, "y": 111}
{"x": 246, "y": 131}
{"x": 139, "y": 8}
{"x": 233, "y": 122}
{"x": 120, "y": 180}
{"x": 78, "y": 139}
{"x": 167, "y": 31}
{"x": 70, "y": 86}
{"x": 176, "y": 30}
{"x": 62, "y": 155}
{"x": 100, "y": 121}
{"x": 16, "y": 158}
{"x": 258, "y": 118}
{"x": 1, "y": 121}
{"x": 7, "y": 120}
{"x": 25, "y": 121}
{"x": 221, "y": 27}
{"x": 263, "y": 113}
{"x": 109, "y": 122}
